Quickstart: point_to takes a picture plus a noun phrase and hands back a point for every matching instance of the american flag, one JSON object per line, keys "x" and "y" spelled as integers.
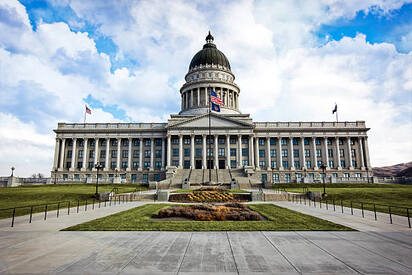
{"x": 88, "y": 111}
{"x": 215, "y": 99}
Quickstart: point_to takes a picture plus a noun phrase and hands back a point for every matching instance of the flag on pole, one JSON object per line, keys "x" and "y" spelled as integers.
{"x": 88, "y": 111}
{"x": 215, "y": 101}
{"x": 335, "y": 110}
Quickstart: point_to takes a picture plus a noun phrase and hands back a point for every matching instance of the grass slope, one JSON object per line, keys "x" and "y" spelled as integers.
{"x": 138, "y": 219}
{"x": 386, "y": 194}
{"x": 39, "y": 194}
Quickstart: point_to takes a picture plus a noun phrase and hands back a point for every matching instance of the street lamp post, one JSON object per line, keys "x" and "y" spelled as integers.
{"x": 12, "y": 171}
{"x": 323, "y": 167}
{"x": 367, "y": 173}
{"x": 98, "y": 166}
{"x": 55, "y": 176}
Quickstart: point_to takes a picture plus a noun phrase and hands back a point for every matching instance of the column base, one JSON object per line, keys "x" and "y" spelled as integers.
{"x": 363, "y": 168}
{"x": 316, "y": 168}
{"x": 269, "y": 169}
{"x": 139, "y": 169}
{"x": 151, "y": 169}
{"x": 128, "y": 169}
{"x": 327, "y": 168}
{"x": 83, "y": 169}
{"x": 292, "y": 168}
{"x": 280, "y": 168}
{"x": 339, "y": 168}
{"x": 106, "y": 169}
{"x": 351, "y": 168}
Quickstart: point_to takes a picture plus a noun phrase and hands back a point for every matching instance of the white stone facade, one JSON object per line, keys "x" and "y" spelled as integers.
{"x": 264, "y": 151}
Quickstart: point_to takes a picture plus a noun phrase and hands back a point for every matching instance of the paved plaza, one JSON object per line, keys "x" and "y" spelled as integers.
{"x": 40, "y": 248}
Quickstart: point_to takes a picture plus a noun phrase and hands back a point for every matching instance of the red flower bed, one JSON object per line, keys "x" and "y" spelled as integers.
{"x": 209, "y": 212}
{"x": 209, "y": 196}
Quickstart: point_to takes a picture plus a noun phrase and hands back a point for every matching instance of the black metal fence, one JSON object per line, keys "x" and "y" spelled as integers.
{"x": 337, "y": 205}
{"x": 68, "y": 206}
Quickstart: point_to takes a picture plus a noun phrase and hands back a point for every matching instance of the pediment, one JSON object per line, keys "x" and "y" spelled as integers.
{"x": 216, "y": 121}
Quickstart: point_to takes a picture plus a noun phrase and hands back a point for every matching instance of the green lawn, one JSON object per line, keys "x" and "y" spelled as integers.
{"x": 385, "y": 194}
{"x": 138, "y": 219}
{"x": 224, "y": 191}
{"x": 40, "y": 194}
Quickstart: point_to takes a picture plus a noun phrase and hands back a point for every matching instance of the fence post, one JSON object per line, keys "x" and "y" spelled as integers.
{"x": 105, "y": 203}
{"x": 320, "y": 202}
{"x": 374, "y": 210}
{"x": 93, "y": 204}
{"x": 58, "y": 209}
{"x": 68, "y": 208}
{"x": 363, "y": 216}
{"x": 390, "y": 214}
{"x": 78, "y": 204}
{"x": 351, "y": 208}
{"x": 12, "y": 220}
{"x": 314, "y": 202}
{"x": 341, "y": 205}
{"x": 334, "y": 207}
{"x": 45, "y": 212}
{"x": 31, "y": 213}
{"x": 85, "y": 206}
{"x": 110, "y": 201}
{"x": 409, "y": 219}
{"x": 327, "y": 208}
{"x": 304, "y": 200}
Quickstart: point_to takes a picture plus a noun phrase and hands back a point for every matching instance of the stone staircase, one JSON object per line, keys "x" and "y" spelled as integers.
{"x": 196, "y": 177}
{"x": 224, "y": 176}
{"x": 179, "y": 176}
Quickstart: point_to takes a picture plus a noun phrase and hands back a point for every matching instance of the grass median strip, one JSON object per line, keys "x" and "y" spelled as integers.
{"x": 139, "y": 219}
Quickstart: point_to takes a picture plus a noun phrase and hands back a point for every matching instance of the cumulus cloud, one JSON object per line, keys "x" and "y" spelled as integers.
{"x": 285, "y": 73}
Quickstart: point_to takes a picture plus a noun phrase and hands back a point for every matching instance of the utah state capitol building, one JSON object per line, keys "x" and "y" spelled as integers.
{"x": 240, "y": 149}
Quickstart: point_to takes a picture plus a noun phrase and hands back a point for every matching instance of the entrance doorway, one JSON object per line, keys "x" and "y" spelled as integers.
{"x": 198, "y": 164}
{"x": 222, "y": 164}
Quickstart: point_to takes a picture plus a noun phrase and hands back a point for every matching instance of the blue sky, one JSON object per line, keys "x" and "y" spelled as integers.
{"x": 127, "y": 60}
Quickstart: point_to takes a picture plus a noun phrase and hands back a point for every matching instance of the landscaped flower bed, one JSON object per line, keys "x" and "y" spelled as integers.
{"x": 209, "y": 212}
{"x": 209, "y": 196}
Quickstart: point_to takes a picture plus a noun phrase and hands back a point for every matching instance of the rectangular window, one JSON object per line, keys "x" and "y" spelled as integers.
{"x": 209, "y": 141}
{"x": 186, "y": 152}
{"x": 70, "y": 142}
{"x": 175, "y": 140}
{"x": 306, "y": 141}
{"x": 275, "y": 177}
{"x": 287, "y": 177}
{"x": 319, "y": 162}
{"x": 244, "y": 152}
{"x": 297, "y": 164}
{"x": 92, "y": 143}
{"x": 354, "y": 163}
{"x": 69, "y": 153}
{"x": 198, "y": 140}
{"x": 124, "y": 164}
{"x": 198, "y": 152}
{"x": 145, "y": 178}
{"x": 317, "y": 141}
{"x": 156, "y": 177}
{"x": 233, "y": 152}
{"x": 358, "y": 175}
{"x": 307, "y": 153}
{"x": 261, "y": 141}
{"x": 113, "y": 165}
{"x": 342, "y": 163}
{"x": 261, "y": 153}
{"x": 91, "y": 165}
{"x": 330, "y": 153}
{"x": 353, "y": 153}
{"x": 308, "y": 164}
{"x": 352, "y": 141}
{"x": 81, "y": 143}
{"x": 146, "y": 164}
{"x": 186, "y": 141}
{"x": 244, "y": 140}
{"x": 273, "y": 152}
{"x": 135, "y": 165}
{"x": 272, "y": 141}
{"x": 284, "y": 141}
{"x": 221, "y": 141}
{"x": 284, "y": 152}
{"x": 245, "y": 163}
{"x": 175, "y": 152}
{"x": 328, "y": 142}
{"x": 334, "y": 175}
{"x": 158, "y": 153}
{"x": 175, "y": 163}
{"x": 158, "y": 142}
{"x": 103, "y": 153}
{"x": 341, "y": 153}
{"x": 298, "y": 176}
{"x": 125, "y": 154}
{"x": 186, "y": 164}
{"x": 311, "y": 175}
{"x": 331, "y": 164}
{"x": 295, "y": 153}
{"x": 80, "y": 153}
{"x": 147, "y": 153}
{"x": 233, "y": 163}
{"x": 346, "y": 175}
{"x": 114, "y": 142}
{"x": 274, "y": 164}
{"x": 340, "y": 141}
{"x": 285, "y": 164}
{"x": 135, "y": 153}
{"x": 221, "y": 152}
{"x": 209, "y": 152}
{"x": 103, "y": 142}
{"x": 158, "y": 165}
{"x": 136, "y": 142}
{"x": 125, "y": 142}
{"x": 147, "y": 142}
{"x": 262, "y": 163}
{"x": 114, "y": 153}
{"x": 318, "y": 153}
{"x": 295, "y": 141}
{"x": 232, "y": 141}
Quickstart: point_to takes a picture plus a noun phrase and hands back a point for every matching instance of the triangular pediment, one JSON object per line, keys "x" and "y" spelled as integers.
{"x": 216, "y": 121}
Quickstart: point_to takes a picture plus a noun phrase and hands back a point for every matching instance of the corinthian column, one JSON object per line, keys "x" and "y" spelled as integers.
{"x": 302, "y": 149}
{"x": 239, "y": 151}
{"x": 62, "y": 153}
{"x": 257, "y": 153}
{"x": 130, "y": 155}
{"x": 268, "y": 165}
{"x": 291, "y": 158}
{"x": 315, "y": 158}
{"x": 74, "y": 155}
{"x": 349, "y": 154}
{"x": 325, "y": 153}
{"x": 151, "y": 154}
{"x": 119, "y": 141}
{"x": 228, "y": 152}
{"x": 169, "y": 149}
{"x": 279, "y": 153}
{"x": 56, "y": 154}
{"x": 192, "y": 151}
{"x": 107, "y": 164}
{"x": 180, "y": 151}
{"x": 216, "y": 152}
{"x": 204, "y": 149}
{"x": 251, "y": 158}
{"x": 337, "y": 157}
